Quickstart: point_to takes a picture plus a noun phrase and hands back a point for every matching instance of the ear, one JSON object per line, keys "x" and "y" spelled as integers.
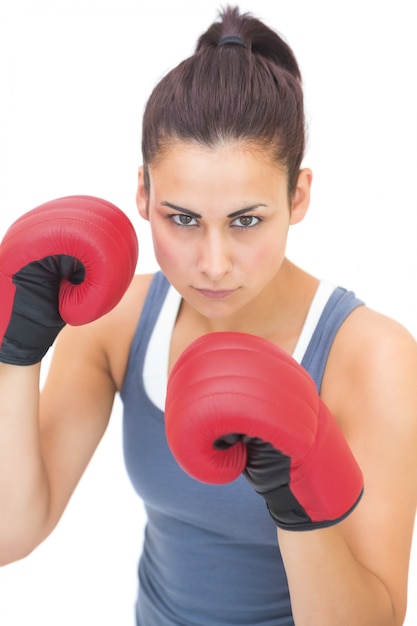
{"x": 142, "y": 199}
{"x": 301, "y": 198}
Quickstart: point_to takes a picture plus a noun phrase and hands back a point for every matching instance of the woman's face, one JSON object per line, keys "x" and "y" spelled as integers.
{"x": 219, "y": 219}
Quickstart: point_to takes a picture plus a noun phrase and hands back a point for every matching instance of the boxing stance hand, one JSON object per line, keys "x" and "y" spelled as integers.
{"x": 237, "y": 403}
{"x": 67, "y": 261}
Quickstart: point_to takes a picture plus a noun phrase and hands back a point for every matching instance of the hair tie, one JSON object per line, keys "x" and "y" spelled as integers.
{"x": 233, "y": 40}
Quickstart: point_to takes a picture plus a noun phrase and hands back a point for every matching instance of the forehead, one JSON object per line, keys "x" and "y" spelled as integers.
{"x": 228, "y": 149}
{"x": 226, "y": 165}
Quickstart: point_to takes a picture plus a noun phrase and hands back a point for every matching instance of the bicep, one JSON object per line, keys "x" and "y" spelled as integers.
{"x": 75, "y": 408}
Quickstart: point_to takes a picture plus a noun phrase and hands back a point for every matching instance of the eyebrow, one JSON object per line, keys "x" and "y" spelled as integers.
{"x": 197, "y": 215}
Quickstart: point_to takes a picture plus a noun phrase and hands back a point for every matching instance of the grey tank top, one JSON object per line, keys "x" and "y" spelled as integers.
{"x": 210, "y": 555}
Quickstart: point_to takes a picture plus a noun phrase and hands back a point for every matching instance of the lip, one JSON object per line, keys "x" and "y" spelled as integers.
{"x": 215, "y": 294}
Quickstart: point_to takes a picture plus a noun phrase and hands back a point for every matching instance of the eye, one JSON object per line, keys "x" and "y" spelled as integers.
{"x": 246, "y": 221}
{"x": 181, "y": 219}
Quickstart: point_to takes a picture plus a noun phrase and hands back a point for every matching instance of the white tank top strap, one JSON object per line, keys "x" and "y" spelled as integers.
{"x": 155, "y": 370}
{"x": 320, "y": 299}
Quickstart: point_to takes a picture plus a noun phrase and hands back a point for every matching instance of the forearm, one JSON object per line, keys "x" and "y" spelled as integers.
{"x": 328, "y": 586}
{"x": 23, "y": 480}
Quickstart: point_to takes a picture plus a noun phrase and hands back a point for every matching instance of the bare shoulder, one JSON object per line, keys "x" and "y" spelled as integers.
{"x": 370, "y": 350}
{"x": 130, "y": 306}
{"x": 101, "y": 348}
{"x": 116, "y": 329}
{"x": 373, "y": 365}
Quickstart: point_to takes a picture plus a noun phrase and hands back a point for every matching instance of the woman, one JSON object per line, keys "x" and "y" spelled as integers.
{"x": 221, "y": 183}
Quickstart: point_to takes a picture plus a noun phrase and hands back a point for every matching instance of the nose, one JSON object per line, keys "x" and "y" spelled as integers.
{"x": 214, "y": 256}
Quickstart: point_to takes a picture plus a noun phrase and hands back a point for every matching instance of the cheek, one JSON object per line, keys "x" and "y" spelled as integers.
{"x": 268, "y": 256}
{"x": 170, "y": 254}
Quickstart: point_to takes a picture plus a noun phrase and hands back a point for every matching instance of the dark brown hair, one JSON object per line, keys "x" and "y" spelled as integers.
{"x": 231, "y": 92}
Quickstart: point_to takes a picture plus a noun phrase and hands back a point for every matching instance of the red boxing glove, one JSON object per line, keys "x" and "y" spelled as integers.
{"x": 238, "y": 403}
{"x": 67, "y": 261}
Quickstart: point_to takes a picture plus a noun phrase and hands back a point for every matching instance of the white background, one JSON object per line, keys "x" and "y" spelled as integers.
{"x": 74, "y": 77}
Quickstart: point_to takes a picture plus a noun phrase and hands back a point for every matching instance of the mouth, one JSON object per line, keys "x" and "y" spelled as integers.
{"x": 215, "y": 294}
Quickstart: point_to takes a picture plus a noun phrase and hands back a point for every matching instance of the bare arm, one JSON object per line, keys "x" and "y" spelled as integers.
{"x": 23, "y": 480}
{"x": 356, "y": 572}
{"x": 45, "y": 444}
{"x": 48, "y": 439}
